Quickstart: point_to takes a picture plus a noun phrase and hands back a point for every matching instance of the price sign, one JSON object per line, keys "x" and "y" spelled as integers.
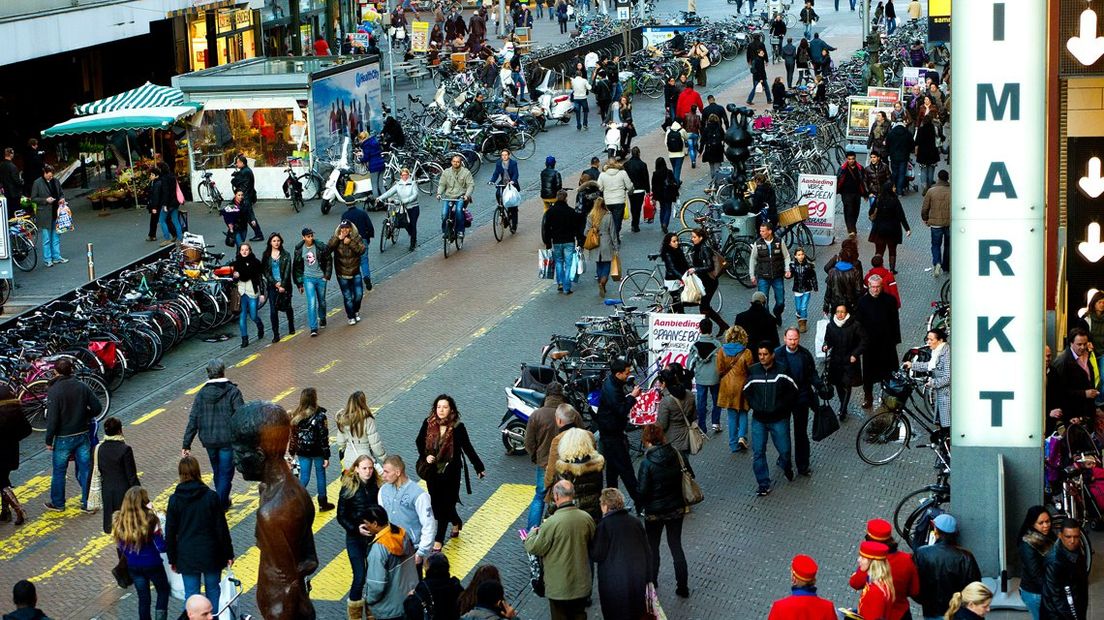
{"x": 670, "y": 337}
{"x": 818, "y": 191}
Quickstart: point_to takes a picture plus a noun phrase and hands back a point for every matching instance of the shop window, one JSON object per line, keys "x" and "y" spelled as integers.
{"x": 268, "y": 135}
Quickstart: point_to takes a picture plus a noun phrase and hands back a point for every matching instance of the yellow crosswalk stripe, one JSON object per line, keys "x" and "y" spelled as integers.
{"x": 247, "y": 359}
{"x": 148, "y": 416}
{"x": 32, "y": 488}
{"x": 481, "y": 532}
{"x": 195, "y": 390}
{"x": 284, "y": 394}
{"x": 327, "y": 367}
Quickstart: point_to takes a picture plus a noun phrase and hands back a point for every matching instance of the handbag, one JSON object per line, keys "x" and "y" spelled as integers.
{"x": 691, "y": 492}
{"x": 228, "y": 597}
{"x": 615, "y": 267}
{"x": 593, "y": 239}
{"x": 546, "y": 269}
{"x": 283, "y": 301}
{"x": 649, "y": 206}
{"x": 121, "y": 573}
{"x": 425, "y": 469}
{"x": 692, "y": 289}
{"x": 653, "y": 610}
{"x": 695, "y": 434}
{"x": 95, "y": 485}
{"x": 825, "y": 422}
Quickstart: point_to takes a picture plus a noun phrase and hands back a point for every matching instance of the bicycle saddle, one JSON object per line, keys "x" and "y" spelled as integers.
{"x": 653, "y": 256}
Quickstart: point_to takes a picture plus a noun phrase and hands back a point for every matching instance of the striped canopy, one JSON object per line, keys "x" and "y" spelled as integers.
{"x": 136, "y": 118}
{"x": 145, "y": 96}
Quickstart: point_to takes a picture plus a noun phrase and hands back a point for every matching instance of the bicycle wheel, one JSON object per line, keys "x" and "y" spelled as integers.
{"x": 739, "y": 264}
{"x": 499, "y": 223}
{"x": 204, "y": 192}
{"x": 803, "y": 238}
{"x": 427, "y": 175}
{"x": 908, "y": 510}
{"x": 99, "y": 389}
{"x": 651, "y": 86}
{"x": 523, "y": 145}
{"x": 693, "y": 208}
{"x": 945, "y": 291}
{"x": 883, "y": 437}
{"x": 296, "y": 202}
{"x": 445, "y": 237}
{"x": 5, "y": 291}
{"x": 639, "y": 288}
{"x": 385, "y": 235}
{"x": 312, "y": 185}
{"x": 23, "y": 253}
{"x": 32, "y": 397}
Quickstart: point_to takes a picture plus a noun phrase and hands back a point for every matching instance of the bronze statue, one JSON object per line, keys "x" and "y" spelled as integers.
{"x": 738, "y": 139}
{"x": 286, "y": 513}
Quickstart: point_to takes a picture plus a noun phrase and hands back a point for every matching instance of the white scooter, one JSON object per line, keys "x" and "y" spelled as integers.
{"x": 342, "y": 186}
{"x": 555, "y": 104}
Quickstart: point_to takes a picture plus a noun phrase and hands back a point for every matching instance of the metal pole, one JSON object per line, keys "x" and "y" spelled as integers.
{"x": 501, "y": 18}
{"x": 391, "y": 60}
{"x": 91, "y": 265}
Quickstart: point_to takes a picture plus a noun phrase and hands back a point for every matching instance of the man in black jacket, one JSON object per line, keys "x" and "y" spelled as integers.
{"x": 880, "y": 319}
{"x": 311, "y": 267}
{"x": 797, "y": 363}
{"x": 638, "y": 174}
{"x": 243, "y": 179}
{"x": 1072, "y": 382}
{"x": 1066, "y": 580}
{"x": 561, "y": 233}
{"x": 215, "y": 404}
{"x": 851, "y": 186}
{"x": 711, "y": 108}
{"x": 9, "y": 180}
{"x": 899, "y": 145}
{"x": 612, "y": 419}
{"x": 944, "y": 568}
{"x": 769, "y": 391}
{"x": 758, "y": 322}
{"x": 550, "y": 182}
{"x": 71, "y": 407}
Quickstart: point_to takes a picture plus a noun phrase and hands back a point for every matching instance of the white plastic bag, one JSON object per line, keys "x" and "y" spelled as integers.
{"x": 511, "y": 197}
{"x": 228, "y": 591}
{"x": 692, "y": 290}
{"x": 176, "y": 580}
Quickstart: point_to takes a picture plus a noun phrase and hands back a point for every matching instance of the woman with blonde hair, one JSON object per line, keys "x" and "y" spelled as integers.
{"x": 971, "y": 603}
{"x": 359, "y": 491}
{"x": 580, "y": 463}
{"x": 876, "y": 599}
{"x": 137, "y": 533}
{"x": 601, "y": 221}
{"x": 356, "y": 432}
{"x": 733, "y": 361}
{"x": 310, "y": 442}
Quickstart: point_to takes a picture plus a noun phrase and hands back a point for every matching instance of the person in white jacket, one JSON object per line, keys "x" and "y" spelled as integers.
{"x": 406, "y": 192}
{"x": 676, "y": 136}
{"x": 580, "y": 90}
{"x": 616, "y": 187}
{"x": 409, "y": 507}
{"x": 356, "y": 431}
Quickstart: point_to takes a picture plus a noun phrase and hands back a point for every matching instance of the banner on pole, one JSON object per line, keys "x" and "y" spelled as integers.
{"x": 819, "y": 192}
{"x": 419, "y": 37}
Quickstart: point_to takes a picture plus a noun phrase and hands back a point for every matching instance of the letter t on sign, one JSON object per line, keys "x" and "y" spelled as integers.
{"x": 997, "y": 405}
{"x": 998, "y": 21}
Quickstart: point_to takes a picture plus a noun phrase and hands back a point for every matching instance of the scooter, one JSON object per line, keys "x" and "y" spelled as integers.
{"x": 354, "y": 188}
{"x": 527, "y": 395}
{"x": 555, "y": 104}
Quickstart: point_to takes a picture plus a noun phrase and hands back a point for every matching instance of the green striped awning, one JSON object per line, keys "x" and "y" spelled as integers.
{"x": 145, "y": 96}
{"x": 137, "y": 118}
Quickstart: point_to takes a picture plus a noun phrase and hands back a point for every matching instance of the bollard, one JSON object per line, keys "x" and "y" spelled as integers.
{"x": 91, "y": 265}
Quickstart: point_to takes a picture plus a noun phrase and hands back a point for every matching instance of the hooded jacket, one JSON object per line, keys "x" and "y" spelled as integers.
{"x": 217, "y": 401}
{"x": 196, "y": 532}
{"x": 615, "y": 185}
{"x": 843, "y": 286}
{"x": 733, "y": 362}
{"x": 703, "y": 360}
{"x": 346, "y": 256}
{"x": 586, "y": 475}
{"x": 391, "y": 572}
{"x": 769, "y": 392}
{"x": 659, "y": 483}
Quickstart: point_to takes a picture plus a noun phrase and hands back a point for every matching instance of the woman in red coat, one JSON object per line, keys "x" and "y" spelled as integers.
{"x": 876, "y": 599}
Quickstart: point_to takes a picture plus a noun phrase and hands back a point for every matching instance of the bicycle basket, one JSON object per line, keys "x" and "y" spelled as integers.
{"x": 896, "y": 390}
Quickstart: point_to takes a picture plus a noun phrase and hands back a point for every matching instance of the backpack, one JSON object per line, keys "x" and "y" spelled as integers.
{"x": 418, "y": 605}
{"x": 674, "y": 141}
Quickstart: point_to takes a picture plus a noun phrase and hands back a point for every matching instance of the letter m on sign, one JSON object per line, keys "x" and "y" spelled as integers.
{"x": 987, "y": 98}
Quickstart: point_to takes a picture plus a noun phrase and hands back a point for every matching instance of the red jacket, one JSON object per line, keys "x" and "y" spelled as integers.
{"x": 874, "y": 603}
{"x": 687, "y": 98}
{"x": 803, "y": 604}
{"x": 906, "y": 582}
{"x": 889, "y": 285}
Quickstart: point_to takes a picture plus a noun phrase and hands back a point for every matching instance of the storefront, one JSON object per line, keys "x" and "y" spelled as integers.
{"x": 276, "y": 24}
{"x": 216, "y": 33}
{"x": 273, "y": 109}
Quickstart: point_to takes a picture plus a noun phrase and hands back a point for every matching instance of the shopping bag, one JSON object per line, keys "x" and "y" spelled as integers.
{"x": 654, "y": 610}
{"x": 646, "y": 409}
{"x": 179, "y": 194}
{"x": 615, "y": 268}
{"x": 578, "y": 266}
{"x": 649, "y": 207}
{"x": 176, "y": 580}
{"x": 511, "y": 197}
{"x": 546, "y": 268}
{"x": 64, "y": 220}
{"x": 825, "y": 421}
{"x": 228, "y": 599}
{"x": 95, "y": 485}
{"x": 692, "y": 289}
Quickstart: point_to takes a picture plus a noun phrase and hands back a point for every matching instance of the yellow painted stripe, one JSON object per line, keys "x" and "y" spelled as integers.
{"x": 290, "y": 336}
{"x": 479, "y": 332}
{"x": 149, "y": 416}
{"x": 32, "y": 488}
{"x": 284, "y": 394}
{"x": 334, "y": 311}
{"x": 332, "y": 582}
{"x": 192, "y": 391}
{"x": 406, "y": 317}
{"x": 248, "y": 359}
{"x": 327, "y": 367}
{"x": 437, "y": 297}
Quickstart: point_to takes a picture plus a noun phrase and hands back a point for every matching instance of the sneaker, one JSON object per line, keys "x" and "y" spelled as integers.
{"x": 50, "y": 506}
{"x": 89, "y": 511}
{"x": 257, "y": 238}
{"x": 352, "y": 321}
{"x": 763, "y": 491}
{"x": 314, "y": 332}
{"x": 568, "y": 292}
{"x": 357, "y": 317}
{"x": 716, "y": 428}
{"x": 62, "y": 260}
{"x": 743, "y": 443}
{"x": 49, "y": 264}
{"x": 937, "y": 271}
{"x": 807, "y": 473}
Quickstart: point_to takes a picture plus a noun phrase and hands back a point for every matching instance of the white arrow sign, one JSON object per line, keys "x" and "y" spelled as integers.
{"x": 1086, "y": 47}
{"x": 1092, "y": 248}
{"x": 1092, "y": 184}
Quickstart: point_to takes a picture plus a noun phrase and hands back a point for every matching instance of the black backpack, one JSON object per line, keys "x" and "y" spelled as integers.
{"x": 418, "y": 605}
{"x": 674, "y": 141}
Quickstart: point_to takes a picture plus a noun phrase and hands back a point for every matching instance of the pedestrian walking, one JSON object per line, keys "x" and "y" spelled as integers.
{"x": 196, "y": 533}
{"x": 804, "y": 285}
{"x": 789, "y": 57}
{"x": 25, "y": 599}
{"x": 699, "y": 62}
{"x": 310, "y": 443}
{"x": 703, "y": 364}
{"x": 47, "y": 194}
{"x": 442, "y": 444}
{"x": 561, "y": 233}
{"x": 675, "y": 411}
{"x": 163, "y": 206}
{"x": 1035, "y": 543}
{"x": 408, "y": 506}
{"x": 638, "y": 176}
{"x": 809, "y": 18}
{"x": 621, "y": 555}
{"x": 10, "y": 178}
{"x": 277, "y": 274}
{"x": 612, "y": 419}
{"x": 803, "y": 603}
{"x": 972, "y": 603}
{"x": 14, "y": 428}
{"x": 356, "y": 432}
{"x": 551, "y": 182}
{"x": 889, "y": 281}
{"x": 250, "y": 282}
{"x": 405, "y": 192}
{"x": 580, "y": 89}
{"x": 707, "y": 264}
{"x": 878, "y": 173}
{"x": 899, "y": 146}
{"x": 390, "y": 575}
{"x": 616, "y": 187}
{"x": 136, "y": 531}
{"x": 440, "y": 588}
{"x": 71, "y": 409}
{"x": 1066, "y": 577}
{"x": 936, "y": 214}
{"x": 562, "y": 543}
{"x": 844, "y": 282}
{"x": 561, "y": 16}
{"x": 769, "y": 393}
{"x": 675, "y": 268}
{"x": 692, "y": 124}
{"x": 600, "y": 222}
{"x": 671, "y": 92}
{"x": 733, "y": 361}
{"x": 578, "y": 462}
{"x": 665, "y": 193}
{"x": 890, "y": 18}
{"x": 877, "y": 595}
{"x": 758, "y": 322}
{"x": 603, "y": 94}
{"x": 1073, "y": 382}
{"x": 662, "y": 503}
{"x": 927, "y": 153}
{"x": 713, "y": 144}
{"x": 844, "y": 345}
{"x": 214, "y": 406}
{"x": 939, "y": 371}
{"x": 759, "y": 77}
{"x": 887, "y": 219}
{"x": 906, "y": 581}
{"x": 851, "y": 186}
{"x": 363, "y": 224}
{"x": 567, "y": 418}
{"x": 233, "y": 219}
{"x": 242, "y": 179}
{"x": 878, "y": 315}
{"x": 539, "y": 431}
{"x": 359, "y": 491}
{"x": 768, "y": 266}
{"x": 347, "y": 247}
{"x": 797, "y": 363}
{"x": 944, "y": 568}
{"x": 114, "y": 460}
{"x": 311, "y": 268}
{"x": 675, "y": 142}
{"x": 777, "y": 34}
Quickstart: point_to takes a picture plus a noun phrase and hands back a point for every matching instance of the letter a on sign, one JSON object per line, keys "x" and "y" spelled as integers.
{"x": 997, "y": 181}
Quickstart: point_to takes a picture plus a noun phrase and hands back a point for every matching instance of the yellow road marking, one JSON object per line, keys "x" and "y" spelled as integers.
{"x": 333, "y": 312}
{"x": 248, "y": 359}
{"x": 479, "y": 332}
{"x": 283, "y": 395}
{"x": 437, "y": 297}
{"x": 406, "y": 317}
{"x": 33, "y": 487}
{"x": 290, "y": 336}
{"x": 148, "y": 416}
{"x": 327, "y": 367}
{"x": 192, "y": 391}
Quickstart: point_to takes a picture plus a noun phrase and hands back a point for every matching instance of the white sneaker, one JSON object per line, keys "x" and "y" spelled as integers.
{"x": 352, "y": 321}
{"x": 357, "y": 319}
{"x": 937, "y": 271}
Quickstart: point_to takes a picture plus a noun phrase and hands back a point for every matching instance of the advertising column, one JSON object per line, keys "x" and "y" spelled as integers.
{"x": 997, "y": 240}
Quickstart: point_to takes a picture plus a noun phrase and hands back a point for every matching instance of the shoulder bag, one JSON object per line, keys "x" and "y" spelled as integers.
{"x": 95, "y": 485}
{"x": 593, "y": 238}
{"x": 694, "y": 432}
{"x": 691, "y": 492}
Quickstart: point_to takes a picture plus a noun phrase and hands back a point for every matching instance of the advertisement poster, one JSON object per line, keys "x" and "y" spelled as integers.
{"x": 819, "y": 192}
{"x": 419, "y": 37}
{"x": 305, "y": 37}
{"x": 670, "y": 337}
{"x": 858, "y": 117}
{"x": 343, "y": 104}
{"x": 939, "y": 21}
{"x": 912, "y": 76}
{"x": 886, "y": 96}
{"x": 661, "y": 34}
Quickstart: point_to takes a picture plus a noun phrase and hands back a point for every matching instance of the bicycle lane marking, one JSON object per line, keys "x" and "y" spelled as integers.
{"x": 149, "y": 416}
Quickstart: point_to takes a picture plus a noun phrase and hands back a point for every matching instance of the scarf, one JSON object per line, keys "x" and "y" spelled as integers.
{"x": 839, "y": 322}
{"x": 936, "y": 352}
{"x": 1038, "y": 542}
{"x": 440, "y": 445}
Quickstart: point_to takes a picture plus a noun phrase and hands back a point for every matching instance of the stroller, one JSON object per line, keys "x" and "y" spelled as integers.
{"x": 1074, "y": 473}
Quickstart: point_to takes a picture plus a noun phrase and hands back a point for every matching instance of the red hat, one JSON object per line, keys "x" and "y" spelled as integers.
{"x": 873, "y": 550}
{"x": 879, "y": 529}
{"x": 803, "y": 567}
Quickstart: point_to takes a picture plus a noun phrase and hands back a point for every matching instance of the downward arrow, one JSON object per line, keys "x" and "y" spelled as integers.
{"x": 1086, "y": 47}
{"x": 1092, "y": 249}
{"x": 1092, "y": 183}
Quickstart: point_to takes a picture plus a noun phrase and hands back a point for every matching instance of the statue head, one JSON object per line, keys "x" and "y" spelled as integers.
{"x": 261, "y": 432}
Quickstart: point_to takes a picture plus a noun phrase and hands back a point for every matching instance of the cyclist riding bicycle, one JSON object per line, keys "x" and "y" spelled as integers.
{"x": 506, "y": 170}
{"x": 454, "y": 189}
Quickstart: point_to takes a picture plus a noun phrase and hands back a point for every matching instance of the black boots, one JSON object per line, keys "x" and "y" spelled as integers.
{"x": 11, "y": 507}
{"x": 245, "y": 341}
{"x": 260, "y": 327}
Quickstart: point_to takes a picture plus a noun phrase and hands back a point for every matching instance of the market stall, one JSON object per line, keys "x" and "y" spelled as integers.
{"x": 274, "y": 110}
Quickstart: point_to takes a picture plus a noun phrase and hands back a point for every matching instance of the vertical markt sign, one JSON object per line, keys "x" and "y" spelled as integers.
{"x": 997, "y": 222}
{"x": 939, "y": 20}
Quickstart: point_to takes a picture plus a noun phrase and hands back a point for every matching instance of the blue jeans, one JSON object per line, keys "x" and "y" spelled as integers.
{"x": 778, "y": 285}
{"x": 704, "y": 392}
{"x": 809, "y": 31}
{"x": 143, "y": 577}
{"x": 456, "y": 205}
{"x": 603, "y": 269}
{"x": 692, "y": 147}
{"x": 941, "y": 247}
{"x": 520, "y": 81}
{"x": 737, "y": 427}
{"x": 927, "y": 176}
{"x": 562, "y": 254}
{"x": 51, "y": 244}
{"x": 899, "y": 170}
{"x": 211, "y": 587}
{"x": 665, "y": 214}
{"x": 315, "y": 291}
{"x": 78, "y": 447}
{"x": 780, "y": 435}
{"x": 357, "y": 548}
{"x": 676, "y": 167}
{"x": 365, "y": 268}
{"x": 891, "y": 26}
{"x": 163, "y": 216}
{"x": 582, "y": 112}
{"x": 222, "y": 469}
{"x": 617, "y": 213}
{"x": 248, "y": 313}
{"x": 536, "y": 507}
{"x": 305, "y": 463}
{"x": 1033, "y": 601}
{"x": 766, "y": 90}
{"x": 801, "y": 304}
{"x": 352, "y": 292}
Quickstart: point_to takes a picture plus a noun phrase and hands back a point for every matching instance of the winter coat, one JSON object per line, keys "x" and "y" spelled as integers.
{"x": 346, "y": 256}
{"x": 351, "y": 509}
{"x": 842, "y": 286}
{"x": 608, "y": 244}
{"x": 14, "y": 428}
{"x": 350, "y": 446}
{"x": 162, "y": 193}
{"x": 11, "y": 183}
{"x": 26, "y": 613}
{"x": 881, "y": 323}
{"x": 703, "y": 360}
{"x": 844, "y": 342}
{"x": 621, "y": 552}
{"x": 243, "y": 179}
{"x": 889, "y": 282}
{"x": 944, "y": 569}
{"x": 540, "y": 429}
{"x": 249, "y": 270}
{"x": 311, "y": 437}
{"x": 371, "y": 153}
{"x": 688, "y": 97}
{"x": 712, "y": 143}
{"x": 284, "y": 263}
{"x": 46, "y": 212}
{"x": 297, "y": 264}
{"x": 615, "y": 185}
{"x": 391, "y": 573}
{"x": 613, "y": 409}
{"x": 562, "y": 542}
{"x": 196, "y": 532}
{"x": 659, "y": 483}
{"x": 675, "y": 264}
{"x": 638, "y": 174}
{"x": 804, "y": 276}
{"x": 1065, "y": 576}
{"x": 1033, "y": 548}
{"x": 800, "y": 366}
{"x": 560, "y": 225}
{"x": 217, "y": 401}
{"x": 899, "y": 143}
{"x": 665, "y": 189}
{"x": 937, "y": 205}
{"x": 587, "y": 476}
{"x": 759, "y": 324}
{"x": 445, "y": 592}
{"x": 444, "y": 487}
{"x": 889, "y": 219}
{"x": 877, "y": 175}
{"x": 550, "y": 183}
{"x": 803, "y": 604}
{"x": 876, "y": 140}
{"x": 674, "y": 415}
{"x": 927, "y": 149}
{"x": 769, "y": 393}
{"x": 117, "y": 474}
{"x": 941, "y": 382}
{"x": 677, "y": 128}
{"x": 733, "y": 362}
{"x": 1067, "y": 384}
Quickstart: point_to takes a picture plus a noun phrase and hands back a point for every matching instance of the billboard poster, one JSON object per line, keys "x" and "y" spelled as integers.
{"x": 819, "y": 192}
{"x": 419, "y": 37}
{"x": 913, "y": 76}
{"x": 858, "y": 117}
{"x": 886, "y": 96}
{"x": 939, "y": 21}
{"x": 343, "y": 104}
{"x": 670, "y": 337}
{"x": 658, "y": 35}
